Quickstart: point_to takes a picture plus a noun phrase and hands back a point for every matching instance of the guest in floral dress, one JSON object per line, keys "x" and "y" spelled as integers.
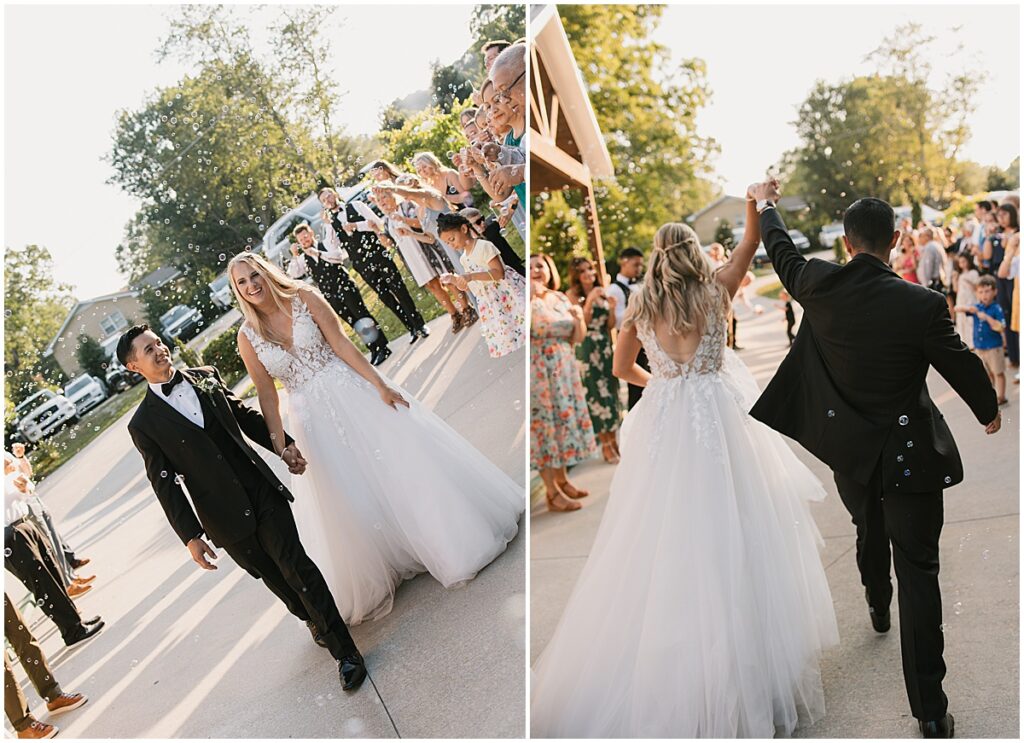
{"x": 500, "y": 292}
{"x": 561, "y": 433}
{"x": 594, "y": 353}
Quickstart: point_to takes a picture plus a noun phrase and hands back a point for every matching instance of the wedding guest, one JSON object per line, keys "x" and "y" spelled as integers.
{"x": 491, "y": 50}
{"x": 424, "y": 257}
{"x": 29, "y": 557}
{"x": 594, "y": 353}
{"x": 26, "y": 648}
{"x": 500, "y": 292}
{"x": 716, "y": 255}
{"x": 509, "y": 85}
{"x": 631, "y": 265}
{"x": 989, "y": 324}
{"x": 561, "y": 432}
{"x": 742, "y": 297}
{"x": 369, "y": 259}
{"x": 444, "y": 180}
{"x": 967, "y": 278}
{"x": 1010, "y": 269}
{"x": 1009, "y": 225}
{"x": 491, "y": 230}
{"x": 430, "y": 205}
{"x": 982, "y": 209}
{"x": 991, "y": 254}
{"x": 929, "y": 265}
{"x": 787, "y": 308}
{"x": 382, "y": 170}
{"x": 906, "y": 258}
{"x": 340, "y": 291}
{"x": 40, "y": 515}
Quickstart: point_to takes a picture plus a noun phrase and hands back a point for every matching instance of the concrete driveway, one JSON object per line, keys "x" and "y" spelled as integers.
{"x": 194, "y": 654}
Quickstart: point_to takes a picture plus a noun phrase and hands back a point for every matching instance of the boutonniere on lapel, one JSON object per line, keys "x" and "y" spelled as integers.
{"x": 209, "y": 385}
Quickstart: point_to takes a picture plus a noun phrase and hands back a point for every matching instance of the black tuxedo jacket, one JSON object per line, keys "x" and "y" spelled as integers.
{"x": 852, "y": 389}
{"x": 172, "y": 445}
{"x": 331, "y": 278}
{"x": 363, "y": 247}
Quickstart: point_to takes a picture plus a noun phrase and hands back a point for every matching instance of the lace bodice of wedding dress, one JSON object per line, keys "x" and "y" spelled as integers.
{"x": 309, "y": 356}
{"x": 709, "y": 358}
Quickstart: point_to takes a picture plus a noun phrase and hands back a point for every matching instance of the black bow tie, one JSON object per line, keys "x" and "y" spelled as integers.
{"x": 166, "y": 387}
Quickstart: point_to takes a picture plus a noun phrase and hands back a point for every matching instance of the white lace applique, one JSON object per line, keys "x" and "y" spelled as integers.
{"x": 310, "y": 361}
{"x": 701, "y": 374}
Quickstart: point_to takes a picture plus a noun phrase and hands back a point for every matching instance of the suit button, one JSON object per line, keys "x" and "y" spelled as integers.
{"x": 899, "y": 457}
{"x": 248, "y": 512}
{"x": 904, "y": 420}
{"x": 947, "y": 479}
{"x": 906, "y": 473}
{"x": 910, "y": 444}
{"x": 831, "y": 414}
{"x": 219, "y": 456}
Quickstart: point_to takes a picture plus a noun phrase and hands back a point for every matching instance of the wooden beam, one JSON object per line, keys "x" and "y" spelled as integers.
{"x": 538, "y": 91}
{"x": 573, "y": 170}
{"x": 594, "y": 232}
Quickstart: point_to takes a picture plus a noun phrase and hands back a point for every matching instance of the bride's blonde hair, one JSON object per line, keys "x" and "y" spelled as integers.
{"x": 680, "y": 287}
{"x": 281, "y": 287}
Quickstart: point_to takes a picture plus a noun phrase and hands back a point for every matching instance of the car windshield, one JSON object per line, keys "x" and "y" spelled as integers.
{"x": 36, "y": 399}
{"x": 173, "y": 314}
{"x": 77, "y": 384}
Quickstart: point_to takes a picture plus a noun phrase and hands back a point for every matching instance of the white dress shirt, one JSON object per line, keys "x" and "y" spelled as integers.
{"x": 621, "y": 300}
{"x": 184, "y": 399}
{"x": 15, "y": 501}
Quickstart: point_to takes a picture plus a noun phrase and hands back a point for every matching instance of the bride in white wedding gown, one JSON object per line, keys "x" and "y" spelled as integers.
{"x": 703, "y": 607}
{"x": 390, "y": 490}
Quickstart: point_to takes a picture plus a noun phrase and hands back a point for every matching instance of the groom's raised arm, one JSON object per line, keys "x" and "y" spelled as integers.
{"x": 785, "y": 258}
{"x": 165, "y": 484}
{"x": 250, "y": 420}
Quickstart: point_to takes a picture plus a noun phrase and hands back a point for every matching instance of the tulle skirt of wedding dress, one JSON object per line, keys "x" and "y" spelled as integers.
{"x": 391, "y": 493}
{"x": 703, "y": 607}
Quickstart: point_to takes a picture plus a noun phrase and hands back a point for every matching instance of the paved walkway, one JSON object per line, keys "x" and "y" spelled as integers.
{"x": 864, "y": 691}
{"x": 192, "y": 654}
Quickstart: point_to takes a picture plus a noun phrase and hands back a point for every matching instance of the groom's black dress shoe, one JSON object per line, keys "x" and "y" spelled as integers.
{"x": 351, "y": 671}
{"x": 317, "y": 637}
{"x": 937, "y": 728}
{"x": 879, "y": 620}
{"x": 87, "y": 632}
{"x": 380, "y": 356}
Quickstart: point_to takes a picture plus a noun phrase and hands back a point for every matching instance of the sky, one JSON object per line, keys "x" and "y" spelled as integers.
{"x": 69, "y": 69}
{"x": 762, "y": 62}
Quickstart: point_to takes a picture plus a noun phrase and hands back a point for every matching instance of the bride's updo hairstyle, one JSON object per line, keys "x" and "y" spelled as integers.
{"x": 680, "y": 287}
{"x": 281, "y": 287}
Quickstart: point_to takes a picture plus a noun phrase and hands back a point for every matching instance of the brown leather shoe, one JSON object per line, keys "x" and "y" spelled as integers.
{"x": 38, "y": 730}
{"x": 76, "y": 564}
{"x": 66, "y": 703}
{"x": 77, "y": 589}
{"x": 84, "y": 580}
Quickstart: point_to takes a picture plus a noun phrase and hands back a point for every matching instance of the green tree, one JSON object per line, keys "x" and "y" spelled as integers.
{"x": 91, "y": 356}
{"x": 35, "y": 306}
{"x": 496, "y": 22}
{"x": 558, "y": 229}
{"x": 431, "y": 129}
{"x": 647, "y": 110}
{"x": 723, "y": 235}
{"x": 449, "y": 84}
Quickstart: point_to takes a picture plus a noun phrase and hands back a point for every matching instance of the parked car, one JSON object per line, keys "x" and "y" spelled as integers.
{"x": 800, "y": 240}
{"x": 279, "y": 235}
{"x": 830, "y": 233}
{"x": 85, "y": 393}
{"x": 120, "y": 379}
{"x": 220, "y": 292}
{"x": 43, "y": 413}
{"x": 181, "y": 321}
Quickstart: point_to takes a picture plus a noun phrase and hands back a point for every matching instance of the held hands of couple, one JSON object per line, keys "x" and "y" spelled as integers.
{"x": 294, "y": 459}
{"x": 768, "y": 190}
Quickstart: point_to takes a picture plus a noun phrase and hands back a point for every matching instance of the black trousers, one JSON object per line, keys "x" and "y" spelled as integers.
{"x": 635, "y": 392}
{"x": 26, "y": 647}
{"x": 274, "y": 554}
{"x": 510, "y": 258}
{"x": 27, "y": 555}
{"x": 382, "y": 275}
{"x": 909, "y": 523}
{"x": 348, "y": 303}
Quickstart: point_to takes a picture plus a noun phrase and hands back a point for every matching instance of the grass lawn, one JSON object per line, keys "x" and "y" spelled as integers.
{"x": 770, "y": 291}
{"x": 50, "y": 454}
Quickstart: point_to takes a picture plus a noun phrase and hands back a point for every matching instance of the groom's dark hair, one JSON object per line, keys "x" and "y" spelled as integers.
{"x": 124, "y": 344}
{"x": 870, "y": 224}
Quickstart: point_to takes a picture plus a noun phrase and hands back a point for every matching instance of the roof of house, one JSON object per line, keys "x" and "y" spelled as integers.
{"x": 786, "y": 203}
{"x": 159, "y": 277}
{"x": 79, "y": 306}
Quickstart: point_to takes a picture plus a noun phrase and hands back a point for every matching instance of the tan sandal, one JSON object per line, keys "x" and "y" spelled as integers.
{"x": 559, "y": 503}
{"x": 609, "y": 453}
{"x": 572, "y": 491}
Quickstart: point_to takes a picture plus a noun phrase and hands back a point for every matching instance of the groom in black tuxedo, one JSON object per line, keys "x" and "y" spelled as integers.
{"x": 188, "y": 429}
{"x": 852, "y": 391}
